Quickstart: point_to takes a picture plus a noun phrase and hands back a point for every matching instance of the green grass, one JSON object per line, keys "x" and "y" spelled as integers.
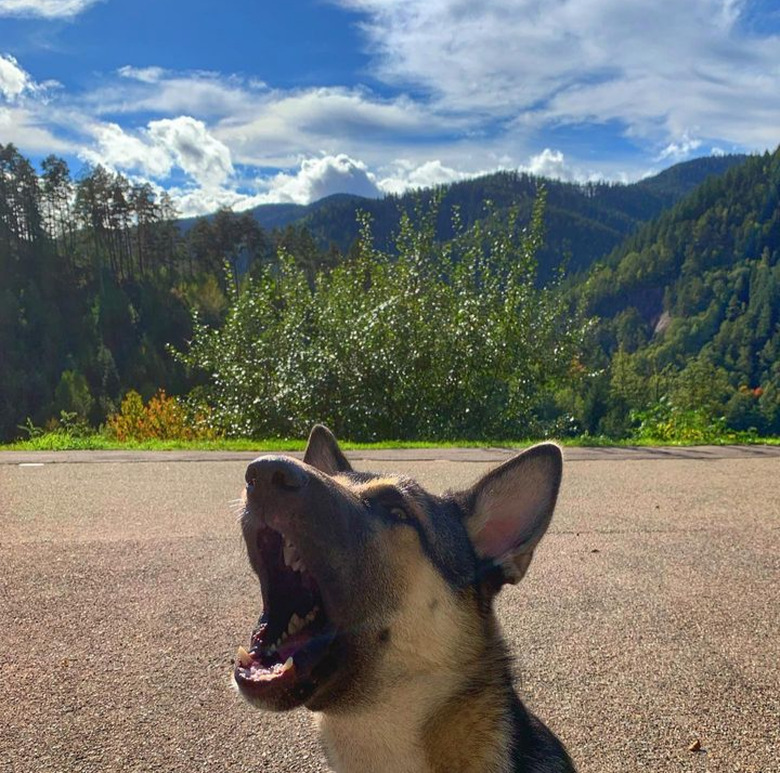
{"x": 63, "y": 441}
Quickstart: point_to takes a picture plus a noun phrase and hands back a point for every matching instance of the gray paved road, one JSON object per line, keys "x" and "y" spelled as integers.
{"x": 649, "y": 618}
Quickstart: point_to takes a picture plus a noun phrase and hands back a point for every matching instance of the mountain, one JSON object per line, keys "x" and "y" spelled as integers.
{"x": 702, "y": 281}
{"x": 584, "y": 221}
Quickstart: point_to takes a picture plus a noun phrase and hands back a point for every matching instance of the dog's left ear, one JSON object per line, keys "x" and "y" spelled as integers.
{"x": 509, "y": 509}
{"x": 323, "y": 452}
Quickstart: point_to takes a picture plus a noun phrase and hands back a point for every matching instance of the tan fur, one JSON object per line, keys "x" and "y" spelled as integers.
{"x": 421, "y": 722}
{"x": 416, "y": 676}
{"x": 479, "y": 718}
{"x": 424, "y": 685}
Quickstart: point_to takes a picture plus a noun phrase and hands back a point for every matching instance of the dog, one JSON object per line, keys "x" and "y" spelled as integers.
{"x": 378, "y": 610}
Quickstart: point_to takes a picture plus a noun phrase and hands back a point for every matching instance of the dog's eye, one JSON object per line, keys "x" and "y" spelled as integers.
{"x": 399, "y": 512}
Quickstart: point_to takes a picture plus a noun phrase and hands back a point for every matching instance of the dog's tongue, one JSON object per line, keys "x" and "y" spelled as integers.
{"x": 252, "y": 670}
{"x": 290, "y": 659}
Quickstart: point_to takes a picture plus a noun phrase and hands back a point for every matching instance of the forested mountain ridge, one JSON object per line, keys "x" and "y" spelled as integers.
{"x": 99, "y": 281}
{"x": 699, "y": 288}
{"x": 583, "y": 221}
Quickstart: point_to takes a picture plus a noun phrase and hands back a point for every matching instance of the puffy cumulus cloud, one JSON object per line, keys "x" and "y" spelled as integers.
{"x": 315, "y": 179}
{"x": 194, "y": 202}
{"x": 655, "y": 67}
{"x": 404, "y": 175}
{"x": 550, "y": 163}
{"x": 14, "y": 81}
{"x": 193, "y": 149}
{"x": 118, "y": 149}
{"x": 47, "y": 8}
{"x": 321, "y": 177}
{"x": 182, "y": 142}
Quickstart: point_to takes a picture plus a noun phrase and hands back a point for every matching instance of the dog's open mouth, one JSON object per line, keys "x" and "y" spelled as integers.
{"x": 293, "y": 636}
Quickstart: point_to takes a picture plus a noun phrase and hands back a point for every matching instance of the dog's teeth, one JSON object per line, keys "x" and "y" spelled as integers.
{"x": 288, "y": 664}
{"x": 295, "y": 625}
{"x": 244, "y": 658}
{"x": 292, "y": 557}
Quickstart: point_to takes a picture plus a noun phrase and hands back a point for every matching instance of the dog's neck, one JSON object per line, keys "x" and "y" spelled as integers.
{"x": 383, "y": 739}
{"x": 414, "y": 730}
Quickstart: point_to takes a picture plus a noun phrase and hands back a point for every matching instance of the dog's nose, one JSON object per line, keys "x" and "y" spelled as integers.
{"x": 275, "y": 472}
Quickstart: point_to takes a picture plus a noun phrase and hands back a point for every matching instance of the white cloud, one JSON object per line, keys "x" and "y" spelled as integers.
{"x": 321, "y": 177}
{"x": 23, "y": 128}
{"x": 143, "y": 74}
{"x": 275, "y": 127}
{"x": 315, "y": 178}
{"x": 655, "y": 66}
{"x": 182, "y": 142}
{"x": 14, "y": 81}
{"x": 118, "y": 149}
{"x": 404, "y": 175}
{"x": 46, "y": 8}
{"x": 679, "y": 151}
{"x": 194, "y": 202}
{"x": 550, "y": 163}
{"x": 193, "y": 149}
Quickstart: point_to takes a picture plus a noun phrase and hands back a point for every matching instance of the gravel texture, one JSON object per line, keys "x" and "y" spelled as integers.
{"x": 648, "y": 622}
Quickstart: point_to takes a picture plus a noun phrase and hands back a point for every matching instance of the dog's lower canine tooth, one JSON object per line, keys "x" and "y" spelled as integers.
{"x": 244, "y": 658}
{"x": 288, "y": 664}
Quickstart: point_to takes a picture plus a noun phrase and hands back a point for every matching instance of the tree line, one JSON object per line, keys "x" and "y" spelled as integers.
{"x": 461, "y": 330}
{"x": 97, "y": 279}
{"x": 690, "y": 310}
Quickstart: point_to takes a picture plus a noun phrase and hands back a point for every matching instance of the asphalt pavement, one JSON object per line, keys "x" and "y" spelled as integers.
{"x": 646, "y": 626}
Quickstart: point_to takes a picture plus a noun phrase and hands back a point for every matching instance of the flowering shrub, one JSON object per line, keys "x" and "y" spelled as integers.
{"x": 162, "y": 418}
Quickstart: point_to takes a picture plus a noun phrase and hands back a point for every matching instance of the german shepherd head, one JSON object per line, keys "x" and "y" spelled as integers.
{"x": 377, "y": 596}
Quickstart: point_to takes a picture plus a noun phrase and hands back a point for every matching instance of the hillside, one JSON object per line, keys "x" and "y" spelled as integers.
{"x": 583, "y": 222}
{"x": 702, "y": 283}
{"x": 99, "y": 281}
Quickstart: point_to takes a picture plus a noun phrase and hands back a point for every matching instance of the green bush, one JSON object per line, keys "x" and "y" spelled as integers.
{"x": 72, "y": 395}
{"x": 435, "y": 341}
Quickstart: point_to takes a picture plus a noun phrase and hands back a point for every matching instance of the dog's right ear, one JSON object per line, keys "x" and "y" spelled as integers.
{"x": 509, "y": 509}
{"x": 323, "y": 452}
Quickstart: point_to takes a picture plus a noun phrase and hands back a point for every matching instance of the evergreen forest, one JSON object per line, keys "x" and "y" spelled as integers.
{"x": 506, "y": 307}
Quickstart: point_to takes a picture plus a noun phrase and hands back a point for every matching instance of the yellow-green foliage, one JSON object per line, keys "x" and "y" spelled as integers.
{"x": 451, "y": 340}
{"x": 162, "y": 418}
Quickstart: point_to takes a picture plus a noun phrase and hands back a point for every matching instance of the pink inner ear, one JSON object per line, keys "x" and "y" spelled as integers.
{"x": 498, "y": 537}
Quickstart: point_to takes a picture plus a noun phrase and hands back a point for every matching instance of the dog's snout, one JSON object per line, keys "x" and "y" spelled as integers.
{"x": 275, "y": 472}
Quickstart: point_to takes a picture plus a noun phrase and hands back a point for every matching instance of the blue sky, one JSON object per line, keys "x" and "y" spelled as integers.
{"x": 236, "y": 103}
